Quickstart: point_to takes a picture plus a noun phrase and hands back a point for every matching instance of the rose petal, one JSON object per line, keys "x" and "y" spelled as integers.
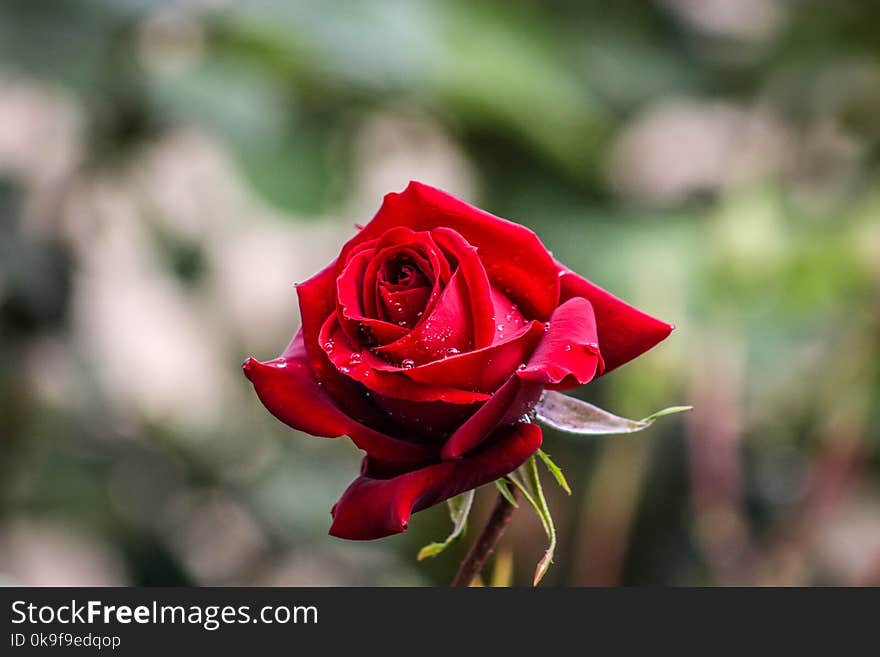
{"x": 383, "y": 378}
{"x": 401, "y": 242}
{"x": 512, "y": 400}
{"x": 568, "y": 354}
{"x": 515, "y": 260}
{"x": 476, "y": 283}
{"x": 433, "y": 421}
{"x": 433, "y": 270}
{"x": 364, "y": 316}
{"x": 317, "y": 302}
{"x": 288, "y": 389}
{"x": 624, "y": 332}
{"x": 447, "y": 327}
{"x": 404, "y": 307}
{"x": 508, "y": 318}
{"x": 372, "y": 508}
{"x": 354, "y": 320}
{"x": 482, "y": 370}
{"x": 357, "y": 325}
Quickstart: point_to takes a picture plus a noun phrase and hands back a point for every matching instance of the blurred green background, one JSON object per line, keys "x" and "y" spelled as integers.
{"x": 169, "y": 169}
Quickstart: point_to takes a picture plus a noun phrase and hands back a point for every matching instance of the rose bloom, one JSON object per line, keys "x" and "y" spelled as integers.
{"x": 428, "y": 341}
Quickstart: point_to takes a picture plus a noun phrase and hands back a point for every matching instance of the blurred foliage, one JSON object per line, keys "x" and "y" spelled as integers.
{"x": 167, "y": 169}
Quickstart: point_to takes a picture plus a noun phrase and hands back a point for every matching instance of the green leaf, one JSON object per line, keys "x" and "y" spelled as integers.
{"x": 529, "y": 483}
{"x": 526, "y": 490}
{"x": 504, "y": 489}
{"x": 672, "y": 410}
{"x": 459, "y": 509}
{"x": 583, "y": 419}
{"x": 554, "y": 470}
{"x": 547, "y": 559}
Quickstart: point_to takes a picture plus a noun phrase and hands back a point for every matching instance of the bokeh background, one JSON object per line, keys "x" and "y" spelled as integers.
{"x": 169, "y": 169}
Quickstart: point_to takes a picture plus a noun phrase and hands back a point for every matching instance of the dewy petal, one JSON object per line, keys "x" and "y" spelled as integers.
{"x": 288, "y": 389}
{"x": 515, "y": 260}
{"x": 447, "y": 327}
{"x": 372, "y": 508}
{"x": 508, "y": 319}
{"x": 380, "y": 377}
{"x": 360, "y": 285}
{"x": 476, "y": 284}
{"x": 354, "y": 321}
{"x": 568, "y": 354}
{"x": 483, "y": 370}
{"x": 404, "y": 306}
{"x": 624, "y": 331}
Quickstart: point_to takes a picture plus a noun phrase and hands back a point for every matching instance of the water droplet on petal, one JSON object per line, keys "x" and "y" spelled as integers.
{"x": 344, "y": 370}
{"x": 546, "y": 326}
{"x": 407, "y": 363}
{"x": 452, "y": 351}
{"x": 355, "y": 359}
{"x": 501, "y": 327}
{"x": 328, "y": 346}
{"x": 568, "y": 347}
{"x": 521, "y": 367}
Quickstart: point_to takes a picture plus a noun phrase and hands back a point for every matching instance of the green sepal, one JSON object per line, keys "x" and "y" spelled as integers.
{"x": 555, "y": 470}
{"x": 504, "y": 489}
{"x": 459, "y": 509}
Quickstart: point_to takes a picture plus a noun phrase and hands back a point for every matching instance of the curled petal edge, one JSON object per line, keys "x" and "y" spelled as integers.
{"x": 372, "y": 508}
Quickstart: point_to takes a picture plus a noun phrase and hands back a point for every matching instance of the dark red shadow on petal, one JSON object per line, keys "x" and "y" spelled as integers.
{"x": 512, "y": 400}
{"x": 289, "y": 390}
{"x": 433, "y": 421}
{"x": 373, "y": 508}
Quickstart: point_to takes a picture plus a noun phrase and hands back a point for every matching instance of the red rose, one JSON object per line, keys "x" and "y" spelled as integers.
{"x": 427, "y": 341}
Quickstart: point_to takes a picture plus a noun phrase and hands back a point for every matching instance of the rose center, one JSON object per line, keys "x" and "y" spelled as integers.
{"x": 403, "y": 292}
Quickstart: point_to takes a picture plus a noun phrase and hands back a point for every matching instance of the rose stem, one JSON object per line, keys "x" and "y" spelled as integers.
{"x": 485, "y": 544}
